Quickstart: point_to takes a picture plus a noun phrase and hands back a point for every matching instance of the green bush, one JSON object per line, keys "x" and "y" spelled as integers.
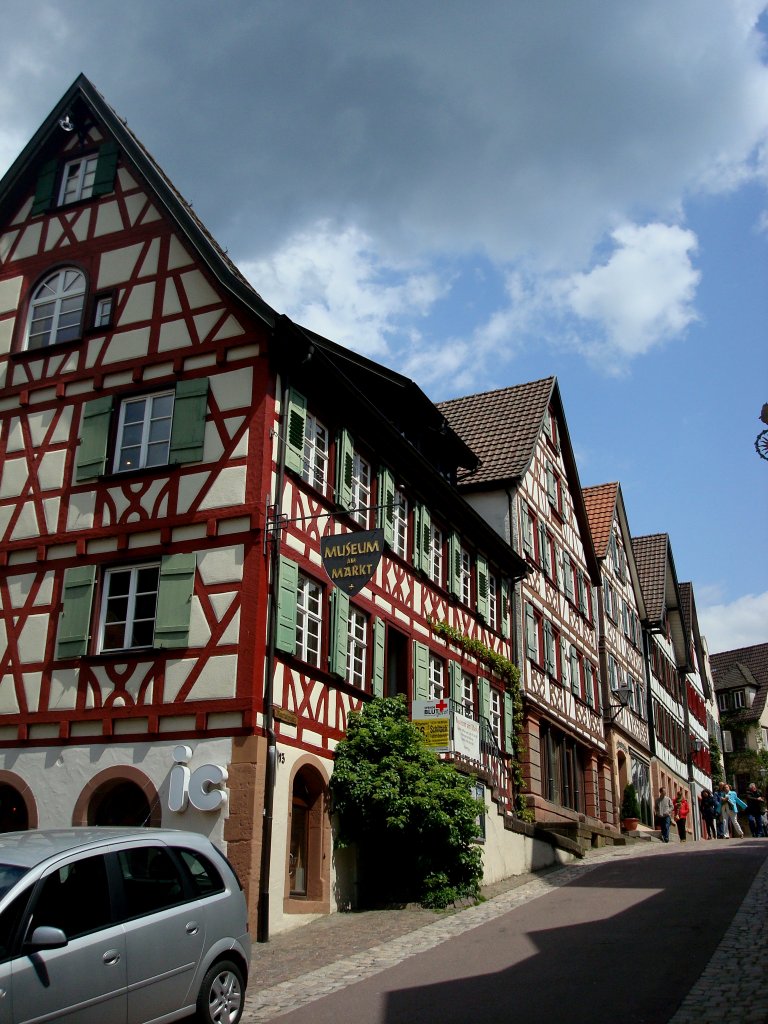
{"x": 630, "y": 805}
{"x": 412, "y": 816}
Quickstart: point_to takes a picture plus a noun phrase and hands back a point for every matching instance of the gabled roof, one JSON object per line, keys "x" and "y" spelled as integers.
{"x": 658, "y": 580}
{"x": 86, "y": 106}
{"x": 755, "y": 658}
{"x": 502, "y": 428}
{"x": 604, "y": 503}
{"x": 600, "y": 503}
{"x": 745, "y": 666}
{"x": 691, "y": 622}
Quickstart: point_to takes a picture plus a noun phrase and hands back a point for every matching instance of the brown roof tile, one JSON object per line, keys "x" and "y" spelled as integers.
{"x": 740, "y": 667}
{"x": 651, "y": 559}
{"x": 501, "y": 427}
{"x": 600, "y": 502}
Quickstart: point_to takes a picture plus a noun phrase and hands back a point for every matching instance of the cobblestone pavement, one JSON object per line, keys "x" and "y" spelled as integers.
{"x": 337, "y": 950}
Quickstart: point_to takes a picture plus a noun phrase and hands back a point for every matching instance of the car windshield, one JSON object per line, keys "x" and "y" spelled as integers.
{"x": 9, "y": 876}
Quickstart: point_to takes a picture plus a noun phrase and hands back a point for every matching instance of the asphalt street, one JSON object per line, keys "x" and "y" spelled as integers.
{"x": 631, "y": 934}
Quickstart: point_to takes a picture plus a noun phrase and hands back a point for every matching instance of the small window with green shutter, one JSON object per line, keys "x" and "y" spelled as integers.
{"x": 86, "y": 176}
{"x": 152, "y": 430}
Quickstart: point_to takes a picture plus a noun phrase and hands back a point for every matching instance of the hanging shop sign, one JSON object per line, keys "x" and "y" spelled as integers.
{"x": 433, "y": 720}
{"x": 466, "y": 737}
{"x": 351, "y": 559}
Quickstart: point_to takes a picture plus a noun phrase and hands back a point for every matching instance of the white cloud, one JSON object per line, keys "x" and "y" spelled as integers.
{"x": 333, "y": 282}
{"x": 741, "y": 623}
{"x": 641, "y": 296}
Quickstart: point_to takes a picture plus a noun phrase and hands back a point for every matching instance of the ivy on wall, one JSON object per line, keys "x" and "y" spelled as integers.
{"x": 510, "y": 674}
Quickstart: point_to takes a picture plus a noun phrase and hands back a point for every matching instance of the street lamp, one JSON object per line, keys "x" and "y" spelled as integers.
{"x": 623, "y": 692}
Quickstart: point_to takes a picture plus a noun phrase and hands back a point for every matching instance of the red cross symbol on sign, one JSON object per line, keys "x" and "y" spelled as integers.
{"x": 441, "y": 705}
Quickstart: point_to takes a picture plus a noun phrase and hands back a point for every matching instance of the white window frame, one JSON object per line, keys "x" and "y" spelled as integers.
{"x": 400, "y": 524}
{"x": 493, "y": 601}
{"x": 739, "y": 700}
{"x": 468, "y": 695}
{"x": 147, "y": 445}
{"x": 495, "y": 715}
{"x": 309, "y": 620}
{"x": 109, "y": 600}
{"x": 64, "y": 292}
{"x": 316, "y": 453}
{"x": 102, "y": 315}
{"x": 436, "y": 560}
{"x": 436, "y": 677}
{"x": 361, "y": 490}
{"x": 723, "y": 702}
{"x": 77, "y": 179}
{"x": 357, "y": 648}
{"x": 465, "y": 576}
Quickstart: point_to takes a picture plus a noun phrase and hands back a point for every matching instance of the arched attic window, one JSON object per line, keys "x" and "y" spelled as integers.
{"x": 56, "y": 308}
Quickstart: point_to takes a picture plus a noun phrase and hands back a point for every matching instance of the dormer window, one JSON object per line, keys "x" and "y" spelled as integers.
{"x": 56, "y": 309}
{"x": 77, "y": 180}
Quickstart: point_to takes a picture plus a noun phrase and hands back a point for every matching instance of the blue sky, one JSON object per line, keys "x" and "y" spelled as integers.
{"x": 479, "y": 195}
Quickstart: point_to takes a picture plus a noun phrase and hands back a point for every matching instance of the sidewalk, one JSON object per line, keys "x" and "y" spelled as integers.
{"x": 302, "y": 965}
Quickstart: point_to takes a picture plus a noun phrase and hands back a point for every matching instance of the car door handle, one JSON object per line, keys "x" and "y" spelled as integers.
{"x": 111, "y": 957}
{"x": 192, "y": 927}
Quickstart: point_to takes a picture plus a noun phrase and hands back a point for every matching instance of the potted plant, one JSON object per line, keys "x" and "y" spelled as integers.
{"x": 630, "y": 809}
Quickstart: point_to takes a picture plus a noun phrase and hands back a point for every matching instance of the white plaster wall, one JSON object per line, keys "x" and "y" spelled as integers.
{"x": 57, "y": 776}
{"x": 507, "y": 854}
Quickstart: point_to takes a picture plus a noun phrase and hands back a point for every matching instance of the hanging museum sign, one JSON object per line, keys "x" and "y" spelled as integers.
{"x": 351, "y": 559}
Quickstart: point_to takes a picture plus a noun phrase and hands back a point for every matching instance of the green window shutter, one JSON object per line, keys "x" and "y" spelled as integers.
{"x": 454, "y": 670}
{"x": 532, "y": 647}
{"x": 74, "y": 627}
{"x": 297, "y": 421}
{"x": 44, "y": 189}
{"x": 483, "y": 696}
{"x": 568, "y": 575}
{"x": 188, "y": 430}
{"x": 509, "y": 724}
{"x": 558, "y": 569}
{"x": 551, "y": 487}
{"x": 454, "y": 565}
{"x": 481, "y": 573}
{"x": 426, "y": 539}
{"x": 106, "y": 169}
{"x": 345, "y": 453}
{"x": 550, "y": 662}
{"x": 379, "y": 635}
{"x": 420, "y": 671}
{"x": 339, "y": 632}
{"x": 505, "y": 609}
{"x": 288, "y": 585}
{"x": 385, "y": 514}
{"x": 174, "y": 600}
{"x": 92, "y": 453}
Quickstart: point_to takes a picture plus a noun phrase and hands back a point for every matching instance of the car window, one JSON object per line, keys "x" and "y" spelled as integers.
{"x": 205, "y": 877}
{"x": 151, "y": 880}
{"x": 9, "y": 922}
{"x": 9, "y": 876}
{"x": 75, "y": 898}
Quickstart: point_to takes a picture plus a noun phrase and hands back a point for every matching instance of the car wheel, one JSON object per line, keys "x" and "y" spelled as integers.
{"x": 221, "y": 995}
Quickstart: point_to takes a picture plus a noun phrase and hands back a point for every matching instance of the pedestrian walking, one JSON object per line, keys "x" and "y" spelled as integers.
{"x": 707, "y": 804}
{"x": 664, "y": 809}
{"x": 682, "y": 810}
{"x": 729, "y": 808}
{"x": 718, "y": 795}
{"x": 755, "y": 811}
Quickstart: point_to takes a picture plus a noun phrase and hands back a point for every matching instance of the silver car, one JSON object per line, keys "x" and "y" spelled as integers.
{"x": 119, "y": 925}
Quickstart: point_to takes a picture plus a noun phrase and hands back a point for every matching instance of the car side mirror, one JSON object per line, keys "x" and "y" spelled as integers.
{"x": 45, "y": 937}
